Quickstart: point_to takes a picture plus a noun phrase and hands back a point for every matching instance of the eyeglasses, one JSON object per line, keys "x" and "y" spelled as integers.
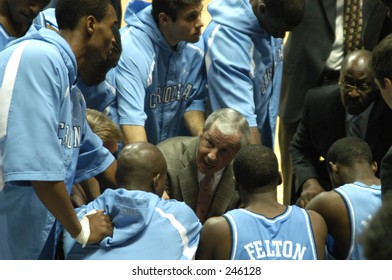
{"x": 361, "y": 88}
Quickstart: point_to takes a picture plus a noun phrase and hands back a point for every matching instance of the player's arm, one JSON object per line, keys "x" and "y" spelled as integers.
{"x": 107, "y": 179}
{"x": 320, "y": 233}
{"x": 131, "y": 75}
{"x": 215, "y": 240}
{"x": 90, "y": 189}
{"x": 54, "y": 197}
{"x": 332, "y": 208}
{"x": 194, "y": 121}
{"x": 133, "y": 133}
{"x": 229, "y": 82}
{"x": 254, "y": 137}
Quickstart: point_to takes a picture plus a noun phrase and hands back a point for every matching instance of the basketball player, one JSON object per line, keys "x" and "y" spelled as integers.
{"x": 264, "y": 229}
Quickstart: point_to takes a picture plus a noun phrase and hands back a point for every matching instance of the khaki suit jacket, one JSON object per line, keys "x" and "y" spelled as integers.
{"x": 182, "y": 183}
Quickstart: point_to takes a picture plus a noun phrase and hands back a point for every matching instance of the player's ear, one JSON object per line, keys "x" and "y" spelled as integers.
{"x": 374, "y": 167}
{"x": 333, "y": 168}
{"x": 164, "y": 19}
{"x": 388, "y": 86}
{"x": 90, "y": 24}
{"x": 262, "y": 7}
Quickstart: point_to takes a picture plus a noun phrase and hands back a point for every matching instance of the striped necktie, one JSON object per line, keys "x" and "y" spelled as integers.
{"x": 204, "y": 197}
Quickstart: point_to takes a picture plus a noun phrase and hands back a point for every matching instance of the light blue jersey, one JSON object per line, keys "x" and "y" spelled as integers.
{"x": 145, "y": 227}
{"x": 288, "y": 236}
{"x": 244, "y": 65}
{"x": 44, "y": 136}
{"x": 155, "y": 84}
{"x": 1, "y": 172}
{"x": 362, "y": 202}
{"x": 5, "y": 38}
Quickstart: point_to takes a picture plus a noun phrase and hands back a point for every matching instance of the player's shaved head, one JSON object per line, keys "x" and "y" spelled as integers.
{"x": 139, "y": 166}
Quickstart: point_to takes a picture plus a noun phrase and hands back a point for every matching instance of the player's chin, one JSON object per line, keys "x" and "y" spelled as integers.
{"x": 194, "y": 39}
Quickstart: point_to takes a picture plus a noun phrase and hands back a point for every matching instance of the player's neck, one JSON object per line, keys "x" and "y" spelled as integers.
{"x": 265, "y": 204}
{"x": 13, "y": 28}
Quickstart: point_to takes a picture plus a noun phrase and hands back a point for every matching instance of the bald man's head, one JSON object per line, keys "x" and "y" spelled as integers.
{"x": 357, "y": 86}
{"x": 141, "y": 166}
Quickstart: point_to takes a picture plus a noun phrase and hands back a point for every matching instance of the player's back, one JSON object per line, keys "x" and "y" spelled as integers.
{"x": 145, "y": 227}
{"x": 287, "y": 236}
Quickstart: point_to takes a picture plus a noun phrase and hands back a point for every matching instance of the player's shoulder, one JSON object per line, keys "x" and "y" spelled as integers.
{"x": 196, "y": 48}
{"x": 174, "y": 144}
{"x": 43, "y": 51}
{"x": 216, "y": 226}
{"x": 177, "y": 212}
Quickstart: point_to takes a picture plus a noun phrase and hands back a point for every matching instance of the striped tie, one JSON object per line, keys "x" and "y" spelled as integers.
{"x": 204, "y": 197}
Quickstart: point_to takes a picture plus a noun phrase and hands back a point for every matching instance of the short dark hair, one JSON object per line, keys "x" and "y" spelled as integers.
{"x": 290, "y": 11}
{"x": 347, "y": 150}
{"x": 69, "y": 12}
{"x": 170, "y": 7}
{"x": 256, "y": 168}
{"x": 382, "y": 60}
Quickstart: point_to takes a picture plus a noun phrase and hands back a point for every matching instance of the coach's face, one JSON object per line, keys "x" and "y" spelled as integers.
{"x": 216, "y": 150}
{"x": 357, "y": 87}
{"x": 24, "y": 11}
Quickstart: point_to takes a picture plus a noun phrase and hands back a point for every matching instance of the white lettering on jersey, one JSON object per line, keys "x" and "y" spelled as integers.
{"x": 276, "y": 248}
{"x": 365, "y": 222}
{"x": 169, "y": 94}
{"x": 266, "y": 81}
{"x": 69, "y": 138}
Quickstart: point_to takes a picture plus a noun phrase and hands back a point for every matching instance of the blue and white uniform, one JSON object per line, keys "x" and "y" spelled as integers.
{"x": 145, "y": 227}
{"x": 44, "y": 136}
{"x": 101, "y": 97}
{"x": 244, "y": 65}
{"x": 5, "y": 38}
{"x": 362, "y": 202}
{"x": 288, "y": 236}
{"x": 155, "y": 84}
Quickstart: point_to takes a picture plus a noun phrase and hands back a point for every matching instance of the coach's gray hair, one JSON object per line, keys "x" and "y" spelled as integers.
{"x": 229, "y": 122}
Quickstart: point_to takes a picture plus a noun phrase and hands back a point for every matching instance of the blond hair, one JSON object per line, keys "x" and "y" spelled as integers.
{"x": 103, "y": 126}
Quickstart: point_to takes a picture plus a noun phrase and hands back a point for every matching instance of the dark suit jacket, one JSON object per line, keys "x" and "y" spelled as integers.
{"x": 323, "y": 122}
{"x": 180, "y": 154}
{"x": 309, "y": 45}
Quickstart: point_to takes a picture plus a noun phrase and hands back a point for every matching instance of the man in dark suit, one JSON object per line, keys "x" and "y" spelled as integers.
{"x": 312, "y": 57}
{"x": 382, "y": 65}
{"x": 190, "y": 159}
{"x": 327, "y": 117}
